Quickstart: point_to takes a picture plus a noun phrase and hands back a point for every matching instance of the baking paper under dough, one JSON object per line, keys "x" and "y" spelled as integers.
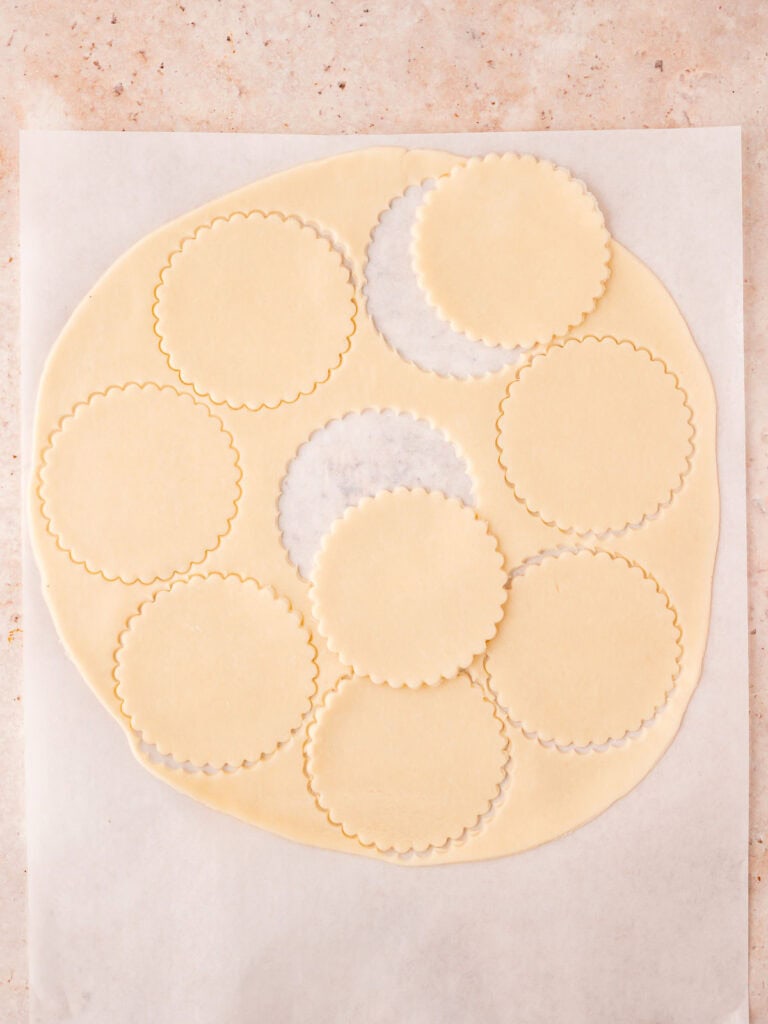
{"x": 616, "y": 407}
{"x": 215, "y": 670}
{"x": 550, "y": 791}
{"x": 254, "y": 309}
{"x": 390, "y": 767}
{"x": 511, "y": 250}
{"x": 408, "y": 587}
{"x": 589, "y": 650}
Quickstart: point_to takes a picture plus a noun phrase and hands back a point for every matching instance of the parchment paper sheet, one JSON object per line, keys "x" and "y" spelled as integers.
{"x": 147, "y": 907}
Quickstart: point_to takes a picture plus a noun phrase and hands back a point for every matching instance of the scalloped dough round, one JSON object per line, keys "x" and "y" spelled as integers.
{"x": 382, "y": 763}
{"x": 408, "y": 587}
{"x": 254, "y": 310}
{"x": 595, "y": 435}
{"x": 511, "y": 250}
{"x": 215, "y": 670}
{"x": 124, "y": 515}
{"x": 588, "y": 651}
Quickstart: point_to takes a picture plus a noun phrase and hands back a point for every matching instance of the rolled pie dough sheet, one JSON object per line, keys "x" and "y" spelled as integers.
{"x": 291, "y": 774}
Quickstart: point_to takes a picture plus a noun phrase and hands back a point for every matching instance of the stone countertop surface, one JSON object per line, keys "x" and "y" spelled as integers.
{"x": 380, "y": 66}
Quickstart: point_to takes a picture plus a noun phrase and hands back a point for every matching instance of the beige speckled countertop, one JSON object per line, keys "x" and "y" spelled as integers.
{"x": 380, "y": 66}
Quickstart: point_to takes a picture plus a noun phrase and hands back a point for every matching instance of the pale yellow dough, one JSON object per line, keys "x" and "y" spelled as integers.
{"x": 408, "y": 587}
{"x": 365, "y": 732}
{"x": 511, "y": 250}
{"x": 139, "y": 482}
{"x": 417, "y": 791}
{"x": 595, "y": 435}
{"x": 589, "y": 650}
{"x": 254, "y": 310}
{"x": 215, "y": 670}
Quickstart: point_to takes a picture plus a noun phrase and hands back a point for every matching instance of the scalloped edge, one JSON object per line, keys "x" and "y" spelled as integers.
{"x": 147, "y": 738}
{"x": 43, "y": 464}
{"x": 264, "y": 214}
{"x": 466, "y": 832}
{"x": 434, "y": 679}
{"x": 634, "y": 731}
{"x": 613, "y": 531}
{"x": 381, "y": 410}
{"x": 380, "y": 333}
{"x": 560, "y": 171}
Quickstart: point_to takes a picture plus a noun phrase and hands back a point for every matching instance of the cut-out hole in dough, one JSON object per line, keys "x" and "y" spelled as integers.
{"x": 588, "y": 651}
{"x": 595, "y": 435}
{"x": 511, "y": 250}
{"x": 356, "y": 457}
{"x": 215, "y": 670}
{"x": 408, "y": 587}
{"x": 128, "y": 516}
{"x": 255, "y": 310}
{"x": 382, "y": 763}
{"x": 398, "y": 307}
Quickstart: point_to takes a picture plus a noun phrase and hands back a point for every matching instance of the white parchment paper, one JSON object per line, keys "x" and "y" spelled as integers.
{"x": 148, "y": 907}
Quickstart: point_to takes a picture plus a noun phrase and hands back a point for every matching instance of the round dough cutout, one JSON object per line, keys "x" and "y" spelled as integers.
{"x": 382, "y": 762}
{"x": 576, "y": 416}
{"x": 588, "y": 651}
{"x": 254, "y": 310}
{"x": 408, "y": 587}
{"x": 127, "y": 516}
{"x": 215, "y": 670}
{"x": 511, "y": 250}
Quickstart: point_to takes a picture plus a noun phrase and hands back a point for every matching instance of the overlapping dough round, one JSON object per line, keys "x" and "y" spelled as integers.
{"x": 382, "y": 763}
{"x": 254, "y": 310}
{"x": 589, "y": 648}
{"x": 408, "y": 587}
{"x": 216, "y": 670}
{"x": 595, "y": 435}
{"x": 139, "y": 482}
{"x": 511, "y": 250}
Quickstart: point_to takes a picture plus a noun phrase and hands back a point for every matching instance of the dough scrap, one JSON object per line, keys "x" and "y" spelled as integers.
{"x": 511, "y": 250}
{"x": 595, "y": 435}
{"x": 128, "y": 516}
{"x": 389, "y": 766}
{"x": 215, "y": 670}
{"x": 254, "y": 310}
{"x": 588, "y": 651}
{"x": 408, "y": 587}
